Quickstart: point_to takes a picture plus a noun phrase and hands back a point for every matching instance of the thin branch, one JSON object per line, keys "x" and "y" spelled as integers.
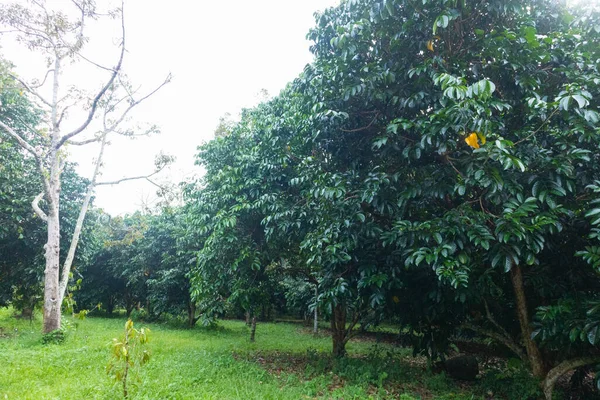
{"x": 22, "y": 142}
{"x": 135, "y": 103}
{"x": 538, "y": 129}
{"x": 30, "y": 90}
{"x": 133, "y": 178}
{"x": 156, "y": 184}
{"x": 84, "y": 142}
{"x": 96, "y": 100}
{"x": 454, "y": 168}
{"x": 36, "y": 207}
{"x": 352, "y": 324}
{"x": 95, "y": 64}
{"x": 364, "y": 127}
{"x": 491, "y": 318}
{"x": 62, "y": 115}
{"x": 44, "y": 81}
{"x": 493, "y": 215}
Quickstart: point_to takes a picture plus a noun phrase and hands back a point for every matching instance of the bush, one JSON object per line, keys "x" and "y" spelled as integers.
{"x": 514, "y": 382}
{"x": 57, "y": 336}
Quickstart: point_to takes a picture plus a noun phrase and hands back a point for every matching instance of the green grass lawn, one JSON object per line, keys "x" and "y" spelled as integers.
{"x": 285, "y": 362}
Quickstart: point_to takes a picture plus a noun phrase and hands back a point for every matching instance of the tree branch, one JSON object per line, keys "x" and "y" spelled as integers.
{"x": 96, "y": 100}
{"x": 505, "y": 340}
{"x": 539, "y": 128}
{"x": 30, "y": 90}
{"x": 133, "y": 178}
{"x": 44, "y": 81}
{"x": 563, "y": 368}
{"x": 62, "y": 286}
{"x": 135, "y": 103}
{"x": 84, "y": 142}
{"x": 95, "y": 64}
{"x": 36, "y": 207}
{"x": 22, "y": 142}
{"x": 364, "y": 127}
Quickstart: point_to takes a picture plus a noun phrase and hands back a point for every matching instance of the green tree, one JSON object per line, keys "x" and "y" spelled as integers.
{"x": 436, "y": 143}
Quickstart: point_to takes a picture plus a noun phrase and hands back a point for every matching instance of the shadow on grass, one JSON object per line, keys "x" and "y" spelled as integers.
{"x": 386, "y": 372}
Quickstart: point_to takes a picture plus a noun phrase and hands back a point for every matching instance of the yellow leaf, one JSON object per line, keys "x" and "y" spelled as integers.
{"x": 472, "y": 140}
{"x": 430, "y": 45}
{"x": 396, "y": 299}
{"x": 481, "y": 138}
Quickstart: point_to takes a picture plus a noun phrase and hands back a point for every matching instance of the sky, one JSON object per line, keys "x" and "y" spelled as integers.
{"x": 220, "y": 54}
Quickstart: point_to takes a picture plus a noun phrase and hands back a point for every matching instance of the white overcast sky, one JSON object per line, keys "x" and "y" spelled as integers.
{"x": 221, "y": 54}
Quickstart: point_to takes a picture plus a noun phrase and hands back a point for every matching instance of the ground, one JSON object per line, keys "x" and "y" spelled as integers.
{"x": 285, "y": 362}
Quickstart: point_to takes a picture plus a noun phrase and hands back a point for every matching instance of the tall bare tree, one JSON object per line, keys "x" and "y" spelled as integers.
{"x": 60, "y": 36}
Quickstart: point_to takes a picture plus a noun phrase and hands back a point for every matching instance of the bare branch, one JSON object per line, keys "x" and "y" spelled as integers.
{"x": 84, "y": 142}
{"x": 133, "y": 178}
{"x": 62, "y": 115}
{"x": 30, "y": 90}
{"x": 96, "y": 100}
{"x": 135, "y": 103}
{"x": 22, "y": 142}
{"x": 44, "y": 81}
{"x": 36, "y": 207}
{"x": 95, "y": 64}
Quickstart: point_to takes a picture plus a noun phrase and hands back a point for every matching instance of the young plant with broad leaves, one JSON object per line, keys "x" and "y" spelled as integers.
{"x": 130, "y": 353}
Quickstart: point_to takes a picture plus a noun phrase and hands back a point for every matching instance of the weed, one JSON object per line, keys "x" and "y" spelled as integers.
{"x": 54, "y": 337}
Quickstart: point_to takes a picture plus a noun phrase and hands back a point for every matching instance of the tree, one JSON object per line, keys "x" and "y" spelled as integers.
{"x": 476, "y": 123}
{"x": 61, "y": 40}
{"x": 21, "y": 236}
{"x": 436, "y": 144}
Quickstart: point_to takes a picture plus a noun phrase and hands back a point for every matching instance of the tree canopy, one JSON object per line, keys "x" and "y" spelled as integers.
{"x": 438, "y": 157}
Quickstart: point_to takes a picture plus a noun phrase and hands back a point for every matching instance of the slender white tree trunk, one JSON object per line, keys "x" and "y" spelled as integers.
{"x": 52, "y": 298}
{"x": 52, "y": 301}
{"x": 66, "y": 272}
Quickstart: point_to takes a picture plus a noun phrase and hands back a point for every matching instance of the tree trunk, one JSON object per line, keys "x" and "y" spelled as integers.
{"x": 51, "y": 274}
{"x": 110, "y": 306}
{"x": 191, "y": 314}
{"x": 253, "y": 329}
{"x": 563, "y": 368}
{"x": 338, "y": 330}
{"x": 129, "y": 306}
{"x": 79, "y": 224}
{"x": 533, "y": 352}
{"x": 316, "y": 322}
{"x": 248, "y": 322}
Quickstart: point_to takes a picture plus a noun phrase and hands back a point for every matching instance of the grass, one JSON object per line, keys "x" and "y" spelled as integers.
{"x": 285, "y": 362}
